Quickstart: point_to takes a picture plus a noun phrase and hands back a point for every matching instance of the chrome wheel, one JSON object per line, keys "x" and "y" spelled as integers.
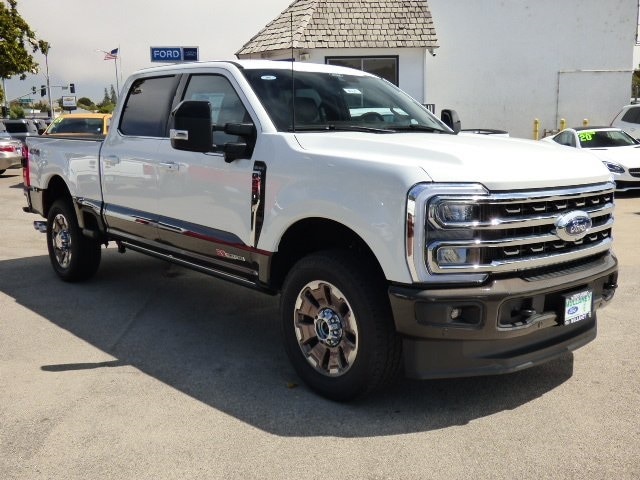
{"x": 326, "y": 328}
{"x": 61, "y": 240}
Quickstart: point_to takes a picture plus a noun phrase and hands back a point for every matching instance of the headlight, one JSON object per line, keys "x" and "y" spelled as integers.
{"x": 457, "y": 213}
{"x": 614, "y": 167}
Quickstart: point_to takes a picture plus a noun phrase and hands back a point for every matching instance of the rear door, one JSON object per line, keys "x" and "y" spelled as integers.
{"x": 129, "y": 161}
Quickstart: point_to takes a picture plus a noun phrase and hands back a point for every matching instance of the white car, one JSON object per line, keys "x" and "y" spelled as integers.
{"x": 628, "y": 119}
{"x": 618, "y": 150}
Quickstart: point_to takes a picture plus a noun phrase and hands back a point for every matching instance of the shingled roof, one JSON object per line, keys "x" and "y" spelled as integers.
{"x": 347, "y": 24}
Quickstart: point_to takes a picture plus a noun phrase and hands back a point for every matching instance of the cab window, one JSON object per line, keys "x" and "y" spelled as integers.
{"x": 147, "y": 107}
{"x": 226, "y": 106}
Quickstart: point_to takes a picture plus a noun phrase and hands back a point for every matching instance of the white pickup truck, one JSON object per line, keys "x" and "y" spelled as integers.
{"x": 394, "y": 243}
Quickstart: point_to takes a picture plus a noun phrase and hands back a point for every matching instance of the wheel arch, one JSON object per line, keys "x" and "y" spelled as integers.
{"x": 56, "y": 189}
{"x": 312, "y": 235}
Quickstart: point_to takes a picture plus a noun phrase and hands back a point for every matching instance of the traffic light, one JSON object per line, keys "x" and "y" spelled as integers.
{"x": 72, "y": 88}
{"x": 33, "y": 90}
{"x": 43, "y": 90}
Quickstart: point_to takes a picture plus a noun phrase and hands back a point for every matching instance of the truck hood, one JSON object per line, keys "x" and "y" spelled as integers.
{"x": 499, "y": 163}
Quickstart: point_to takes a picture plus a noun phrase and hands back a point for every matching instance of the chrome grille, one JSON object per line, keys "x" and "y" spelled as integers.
{"x": 516, "y": 231}
{"x": 635, "y": 172}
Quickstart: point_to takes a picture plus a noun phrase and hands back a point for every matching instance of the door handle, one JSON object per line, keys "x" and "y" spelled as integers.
{"x": 111, "y": 160}
{"x": 171, "y": 166}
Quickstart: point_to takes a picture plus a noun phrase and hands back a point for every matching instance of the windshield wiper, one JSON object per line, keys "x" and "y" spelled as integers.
{"x": 419, "y": 128}
{"x": 340, "y": 128}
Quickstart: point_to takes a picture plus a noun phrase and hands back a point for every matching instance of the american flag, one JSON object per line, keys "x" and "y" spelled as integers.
{"x": 112, "y": 55}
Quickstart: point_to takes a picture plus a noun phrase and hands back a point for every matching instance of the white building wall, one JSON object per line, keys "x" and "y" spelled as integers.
{"x": 502, "y": 64}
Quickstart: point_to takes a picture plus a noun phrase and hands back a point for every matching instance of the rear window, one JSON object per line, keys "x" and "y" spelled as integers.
{"x": 77, "y": 125}
{"x": 16, "y": 127}
{"x": 632, "y": 115}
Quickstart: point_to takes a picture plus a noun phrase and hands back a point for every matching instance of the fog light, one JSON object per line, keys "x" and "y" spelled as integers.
{"x": 457, "y": 256}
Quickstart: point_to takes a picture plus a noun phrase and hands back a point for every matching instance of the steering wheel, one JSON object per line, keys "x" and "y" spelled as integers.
{"x": 372, "y": 117}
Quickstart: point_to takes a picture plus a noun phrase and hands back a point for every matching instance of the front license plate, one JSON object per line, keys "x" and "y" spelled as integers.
{"x": 577, "y": 306}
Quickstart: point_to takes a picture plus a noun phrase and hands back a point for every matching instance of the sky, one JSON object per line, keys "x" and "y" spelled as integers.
{"x": 79, "y": 31}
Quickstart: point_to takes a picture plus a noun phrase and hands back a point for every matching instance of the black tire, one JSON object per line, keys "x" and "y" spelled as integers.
{"x": 337, "y": 326}
{"x": 73, "y": 256}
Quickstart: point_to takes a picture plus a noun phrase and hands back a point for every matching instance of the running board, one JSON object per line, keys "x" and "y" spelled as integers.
{"x": 193, "y": 266}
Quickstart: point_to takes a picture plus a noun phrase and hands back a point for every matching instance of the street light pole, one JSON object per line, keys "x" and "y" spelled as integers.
{"x": 46, "y": 62}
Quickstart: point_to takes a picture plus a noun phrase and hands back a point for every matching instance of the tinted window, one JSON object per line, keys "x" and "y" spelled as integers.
{"x": 632, "y": 116}
{"x": 147, "y": 107}
{"x": 17, "y": 127}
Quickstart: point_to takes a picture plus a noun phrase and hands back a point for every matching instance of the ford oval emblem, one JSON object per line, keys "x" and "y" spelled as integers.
{"x": 572, "y": 310}
{"x": 573, "y": 226}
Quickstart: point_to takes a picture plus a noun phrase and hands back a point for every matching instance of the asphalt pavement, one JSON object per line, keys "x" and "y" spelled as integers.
{"x": 151, "y": 371}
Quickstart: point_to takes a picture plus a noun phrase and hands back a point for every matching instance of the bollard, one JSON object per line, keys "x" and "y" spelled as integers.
{"x": 563, "y": 124}
{"x": 536, "y": 129}
{"x": 585, "y": 122}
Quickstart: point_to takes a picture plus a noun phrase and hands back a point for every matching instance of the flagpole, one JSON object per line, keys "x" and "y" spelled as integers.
{"x": 115, "y": 62}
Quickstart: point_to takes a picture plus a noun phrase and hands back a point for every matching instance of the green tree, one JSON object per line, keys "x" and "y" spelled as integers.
{"x": 17, "y": 43}
{"x": 113, "y": 96}
{"x": 86, "y": 104}
{"x": 105, "y": 100}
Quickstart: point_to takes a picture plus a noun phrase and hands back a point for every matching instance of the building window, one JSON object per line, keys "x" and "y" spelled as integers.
{"x": 385, "y": 67}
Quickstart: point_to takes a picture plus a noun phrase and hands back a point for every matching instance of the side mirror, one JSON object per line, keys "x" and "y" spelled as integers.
{"x": 237, "y": 150}
{"x": 451, "y": 119}
{"x": 190, "y": 126}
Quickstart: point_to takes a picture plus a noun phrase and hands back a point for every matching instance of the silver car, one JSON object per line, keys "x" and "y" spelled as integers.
{"x": 11, "y": 150}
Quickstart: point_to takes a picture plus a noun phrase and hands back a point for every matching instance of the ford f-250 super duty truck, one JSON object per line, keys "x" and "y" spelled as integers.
{"x": 393, "y": 242}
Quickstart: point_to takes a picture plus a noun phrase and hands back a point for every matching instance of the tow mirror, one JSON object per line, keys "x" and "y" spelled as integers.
{"x": 451, "y": 119}
{"x": 190, "y": 127}
{"x": 237, "y": 150}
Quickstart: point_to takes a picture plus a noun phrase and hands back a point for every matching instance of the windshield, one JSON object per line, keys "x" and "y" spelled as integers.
{"x": 332, "y": 101}
{"x": 604, "y": 139}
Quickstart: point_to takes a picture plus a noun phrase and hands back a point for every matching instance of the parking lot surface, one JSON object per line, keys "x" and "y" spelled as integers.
{"x": 153, "y": 371}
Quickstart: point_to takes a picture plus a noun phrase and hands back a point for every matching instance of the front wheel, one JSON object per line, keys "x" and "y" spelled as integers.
{"x": 73, "y": 256}
{"x": 337, "y": 326}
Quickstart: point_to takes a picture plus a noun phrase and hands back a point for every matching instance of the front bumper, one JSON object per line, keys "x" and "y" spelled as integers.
{"x": 503, "y": 326}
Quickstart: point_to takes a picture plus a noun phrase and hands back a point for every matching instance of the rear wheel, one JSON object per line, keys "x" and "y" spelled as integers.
{"x": 73, "y": 256}
{"x": 337, "y": 326}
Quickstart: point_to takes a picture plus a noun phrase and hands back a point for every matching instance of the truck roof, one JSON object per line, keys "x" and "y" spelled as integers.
{"x": 257, "y": 64}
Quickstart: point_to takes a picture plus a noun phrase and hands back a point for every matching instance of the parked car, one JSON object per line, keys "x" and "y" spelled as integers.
{"x": 41, "y": 124}
{"x": 10, "y": 152}
{"x": 21, "y": 128}
{"x": 618, "y": 150}
{"x": 80, "y": 124}
{"x": 628, "y": 119}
